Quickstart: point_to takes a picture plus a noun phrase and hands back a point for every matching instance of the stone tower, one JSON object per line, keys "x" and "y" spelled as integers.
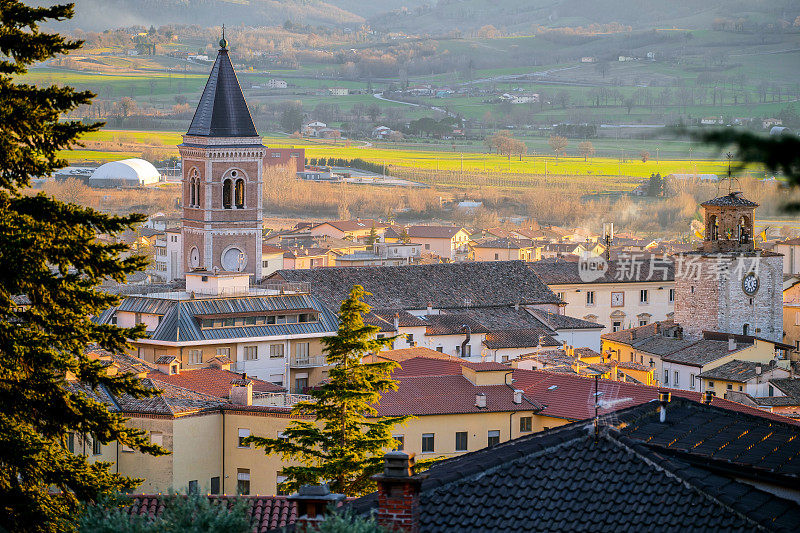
{"x": 728, "y": 285}
{"x": 222, "y": 160}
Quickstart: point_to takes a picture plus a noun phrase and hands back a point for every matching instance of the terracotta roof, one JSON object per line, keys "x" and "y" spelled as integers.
{"x": 734, "y": 199}
{"x": 265, "y": 512}
{"x": 506, "y": 243}
{"x": 269, "y": 249}
{"x": 626, "y": 268}
{"x": 444, "y": 286}
{"x": 433, "y": 232}
{"x": 486, "y": 366}
{"x": 215, "y": 382}
{"x": 405, "y": 354}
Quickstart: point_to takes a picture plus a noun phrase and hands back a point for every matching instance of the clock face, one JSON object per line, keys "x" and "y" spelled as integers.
{"x": 750, "y": 284}
{"x": 617, "y": 299}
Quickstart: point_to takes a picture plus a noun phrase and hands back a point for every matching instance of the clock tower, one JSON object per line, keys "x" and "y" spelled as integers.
{"x": 728, "y": 284}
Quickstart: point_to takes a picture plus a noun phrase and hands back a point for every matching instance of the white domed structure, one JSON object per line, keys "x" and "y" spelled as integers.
{"x": 125, "y": 173}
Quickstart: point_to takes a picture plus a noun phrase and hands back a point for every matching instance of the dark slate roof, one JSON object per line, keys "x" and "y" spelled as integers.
{"x": 558, "y": 321}
{"x": 222, "y": 111}
{"x": 734, "y": 199}
{"x": 452, "y": 324}
{"x": 518, "y": 338}
{"x": 701, "y": 353}
{"x": 789, "y": 386}
{"x": 627, "y": 268}
{"x": 739, "y": 371}
{"x": 565, "y": 479}
{"x": 265, "y": 512}
{"x": 444, "y": 286}
{"x": 181, "y": 322}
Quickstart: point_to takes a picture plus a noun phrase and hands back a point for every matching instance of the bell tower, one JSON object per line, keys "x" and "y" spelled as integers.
{"x": 222, "y": 159}
{"x": 728, "y": 284}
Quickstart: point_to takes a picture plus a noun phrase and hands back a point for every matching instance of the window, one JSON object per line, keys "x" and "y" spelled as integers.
{"x": 692, "y": 289}
{"x": 227, "y": 194}
{"x": 644, "y": 296}
{"x": 675, "y": 384}
{"x": 97, "y": 447}
{"x": 300, "y": 385}
{"x": 127, "y": 449}
{"x": 616, "y": 326}
{"x": 243, "y": 434}
{"x": 400, "y": 442}
{"x": 589, "y": 297}
{"x": 264, "y": 264}
{"x": 710, "y": 384}
{"x": 496, "y": 257}
{"x": 729, "y": 387}
{"x": 672, "y": 296}
{"x": 157, "y": 438}
{"x": 280, "y": 491}
{"x": 770, "y": 391}
{"x": 275, "y": 154}
{"x": 691, "y": 381}
{"x": 560, "y": 296}
{"x": 526, "y": 424}
{"x": 745, "y": 329}
{"x": 410, "y": 338}
{"x": 427, "y": 442}
{"x": 71, "y": 442}
{"x": 193, "y": 488}
{"x": 666, "y": 377}
{"x": 494, "y": 437}
{"x": 642, "y": 321}
{"x": 301, "y": 350}
{"x": 195, "y": 357}
{"x": 239, "y": 194}
{"x": 440, "y": 348}
{"x": 461, "y": 441}
{"x": 214, "y": 485}
{"x": 223, "y": 352}
{"x": 250, "y": 353}
{"x": 740, "y": 388}
{"x": 467, "y": 351}
{"x": 427, "y": 246}
{"x": 243, "y": 481}
{"x": 275, "y": 351}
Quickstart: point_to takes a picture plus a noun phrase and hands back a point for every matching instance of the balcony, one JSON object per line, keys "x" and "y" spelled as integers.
{"x": 308, "y": 361}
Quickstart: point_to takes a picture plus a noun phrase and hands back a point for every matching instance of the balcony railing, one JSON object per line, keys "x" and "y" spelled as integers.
{"x": 279, "y": 399}
{"x": 307, "y": 361}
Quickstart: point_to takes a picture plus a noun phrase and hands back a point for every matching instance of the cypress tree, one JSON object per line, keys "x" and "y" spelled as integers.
{"x": 50, "y": 265}
{"x": 344, "y": 441}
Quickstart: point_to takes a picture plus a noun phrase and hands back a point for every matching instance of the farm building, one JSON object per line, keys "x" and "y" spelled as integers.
{"x": 125, "y": 173}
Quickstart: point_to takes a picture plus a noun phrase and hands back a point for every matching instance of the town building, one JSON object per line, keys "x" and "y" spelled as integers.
{"x": 274, "y": 83}
{"x": 354, "y": 230}
{"x": 505, "y": 249}
{"x": 790, "y": 248}
{"x": 631, "y": 291}
{"x": 447, "y": 242}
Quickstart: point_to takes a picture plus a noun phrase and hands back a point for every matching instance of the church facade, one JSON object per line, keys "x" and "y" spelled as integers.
{"x": 223, "y": 159}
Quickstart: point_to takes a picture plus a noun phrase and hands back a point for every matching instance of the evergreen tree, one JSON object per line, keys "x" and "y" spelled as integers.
{"x": 344, "y": 442}
{"x": 372, "y": 238}
{"x": 50, "y": 265}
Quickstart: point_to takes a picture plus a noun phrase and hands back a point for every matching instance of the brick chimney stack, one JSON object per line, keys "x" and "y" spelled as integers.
{"x": 312, "y": 502}
{"x": 398, "y": 493}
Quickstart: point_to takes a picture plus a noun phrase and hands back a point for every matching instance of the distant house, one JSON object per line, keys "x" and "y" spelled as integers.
{"x": 624, "y": 59}
{"x": 312, "y": 129}
{"x": 588, "y": 59}
{"x": 520, "y": 98}
{"x": 355, "y": 230}
{"x": 338, "y": 91}
{"x": 381, "y": 132}
{"x": 276, "y": 84}
{"x": 700, "y": 177}
{"x": 711, "y": 121}
{"x": 769, "y": 122}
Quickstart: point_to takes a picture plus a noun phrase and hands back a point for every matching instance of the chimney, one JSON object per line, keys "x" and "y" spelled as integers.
{"x": 731, "y": 344}
{"x": 430, "y": 308}
{"x": 398, "y": 493}
{"x": 517, "y": 396}
{"x": 516, "y": 305}
{"x": 168, "y": 364}
{"x": 480, "y": 400}
{"x": 312, "y": 502}
{"x": 758, "y": 369}
{"x": 242, "y": 391}
{"x": 663, "y": 400}
{"x": 397, "y": 322}
{"x": 707, "y": 397}
{"x": 657, "y": 328}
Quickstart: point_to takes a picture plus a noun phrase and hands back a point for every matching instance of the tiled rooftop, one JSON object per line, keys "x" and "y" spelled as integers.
{"x": 212, "y": 381}
{"x": 625, "y": 269}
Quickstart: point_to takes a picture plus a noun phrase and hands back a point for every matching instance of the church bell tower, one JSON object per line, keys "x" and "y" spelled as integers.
{"x": 729, "y": 285}
{"x": 222, "y": 158}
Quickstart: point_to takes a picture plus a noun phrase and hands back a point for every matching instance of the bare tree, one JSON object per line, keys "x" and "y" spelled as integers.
{"x": 586, "y": 149}
{"x": 558, "y": 143}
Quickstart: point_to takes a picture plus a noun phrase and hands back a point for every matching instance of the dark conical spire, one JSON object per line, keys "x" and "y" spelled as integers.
{"x": 222, "y": 111}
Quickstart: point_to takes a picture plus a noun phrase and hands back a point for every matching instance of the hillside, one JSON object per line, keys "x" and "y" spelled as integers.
{"x": 520, "y": 16}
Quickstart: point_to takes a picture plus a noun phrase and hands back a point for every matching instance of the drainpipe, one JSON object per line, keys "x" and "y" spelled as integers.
{"x": 465, "y": 328}
{"x": 222, "y": 477}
